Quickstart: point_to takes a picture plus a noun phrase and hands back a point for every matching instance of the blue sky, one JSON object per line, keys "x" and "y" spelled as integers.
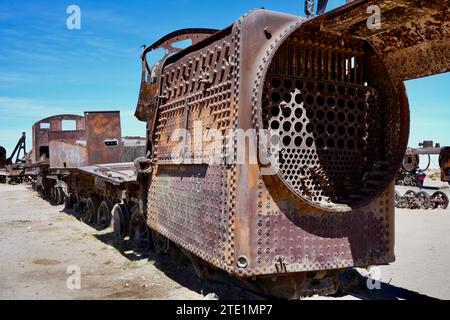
{"x": 46, "y": 69}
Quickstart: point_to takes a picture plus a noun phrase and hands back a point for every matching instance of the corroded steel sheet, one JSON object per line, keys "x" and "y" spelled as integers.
{"x": 188, "y": 204}
{"x": 330, "y": 92}
{"x": 114, "y": 173}
{"x": 414, "y": 38}
{"x": 3, "y": 159}
{"x": 46, "y": 130}
{"x": 68, "y": 153}
{"x": 103, "y": 137}
{"x": 444, "y": 163}
{"x": 95, "y": 139}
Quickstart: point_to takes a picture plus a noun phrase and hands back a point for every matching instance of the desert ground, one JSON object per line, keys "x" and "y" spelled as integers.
{"x": 40, "y": 244}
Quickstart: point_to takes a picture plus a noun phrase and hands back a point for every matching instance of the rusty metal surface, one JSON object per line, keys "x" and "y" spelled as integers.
{"x": 289, "y": 237}
{"x": 133, "y": 148}
{"x": 76, "y": 157}
{"x": 34, "y": 170}
{"x": 198, "y": 86}
{"x": 428, "y": 147}
{"x": 15, "y": 170}
{"x": 50, "y": 129}
{"x": 3, "y": 174}
{"x": 330, "y": 90}
{"x": 379, "y": 147}
{"x": 410, "y": 170}
{"x": 95, "y": 140}
{"x": 148, "y": 94}
{"x": 187, "y": 204}
{"x": 343, "y": 121}
{"x": 18, "y": 155}
{"x": 411, "y": 161}
{"x": 103, "y": 137}
{"x": 114, "y": 173}
{"x": 68, "y": 153}
{"x": 444, "y": 163}
{"x": 328, "y": 122}
{"x": 414, "y": 38}
{"x": 194, "y": 34}
{"x": 3, "y": 159}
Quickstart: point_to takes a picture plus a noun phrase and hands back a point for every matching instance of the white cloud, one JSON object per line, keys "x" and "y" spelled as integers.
{"x": 10, "y": 78}
{"x": 13, "y": 108}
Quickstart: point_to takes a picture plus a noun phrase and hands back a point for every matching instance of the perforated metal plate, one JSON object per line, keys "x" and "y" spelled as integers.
{"x": 326, "y": 120}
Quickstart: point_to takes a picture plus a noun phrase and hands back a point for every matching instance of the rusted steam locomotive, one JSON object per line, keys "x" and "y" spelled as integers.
{"x": 330, "y": 91}
{"x": 323, "y": 97}
{"x": 10, "y": 167}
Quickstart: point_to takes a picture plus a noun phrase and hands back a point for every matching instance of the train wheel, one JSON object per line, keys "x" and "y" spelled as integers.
{"x": 160, "y": 242}
{"x": 60, "y": 195}
{"x": 410, "y": 193}
{"x": 400, "y": 202}
{"x": 40, "y": 190}
{"x": 78, "y": 205}
{"x": 139, "y": 231}
{"x": 439, "y": 200}
{"x": 68, "y": 205}
{"x": 424, "y": 200}
{"x": 69, "y": 201}
{"x": 397, "y": 197}
{"x": 53, "y": 195}
{"x": 409, "y": 180}
{"x": 104, "y": 215}
{"x": 120, "y": 220}
{"x": 90, "y": 210}
{"x": 410, "y": 200}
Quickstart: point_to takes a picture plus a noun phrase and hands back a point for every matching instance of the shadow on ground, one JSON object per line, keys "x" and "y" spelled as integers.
{"x": 179, "y": 269}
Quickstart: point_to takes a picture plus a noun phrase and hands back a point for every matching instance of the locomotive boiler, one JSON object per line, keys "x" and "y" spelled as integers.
{"x": 330, "y": 94}
{"x": 271, "y": 148}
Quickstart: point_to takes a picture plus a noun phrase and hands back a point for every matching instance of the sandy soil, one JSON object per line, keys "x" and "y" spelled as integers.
{"x": 38, "y": 242}
{"x": 422, "y": 247}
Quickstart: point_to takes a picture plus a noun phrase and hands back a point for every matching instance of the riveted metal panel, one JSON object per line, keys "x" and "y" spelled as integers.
{"x": 287, "y": 236}
{"x": 188, "y": 204}
{"x": 331, "y": 205}
{"x": 284, "y": 225}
